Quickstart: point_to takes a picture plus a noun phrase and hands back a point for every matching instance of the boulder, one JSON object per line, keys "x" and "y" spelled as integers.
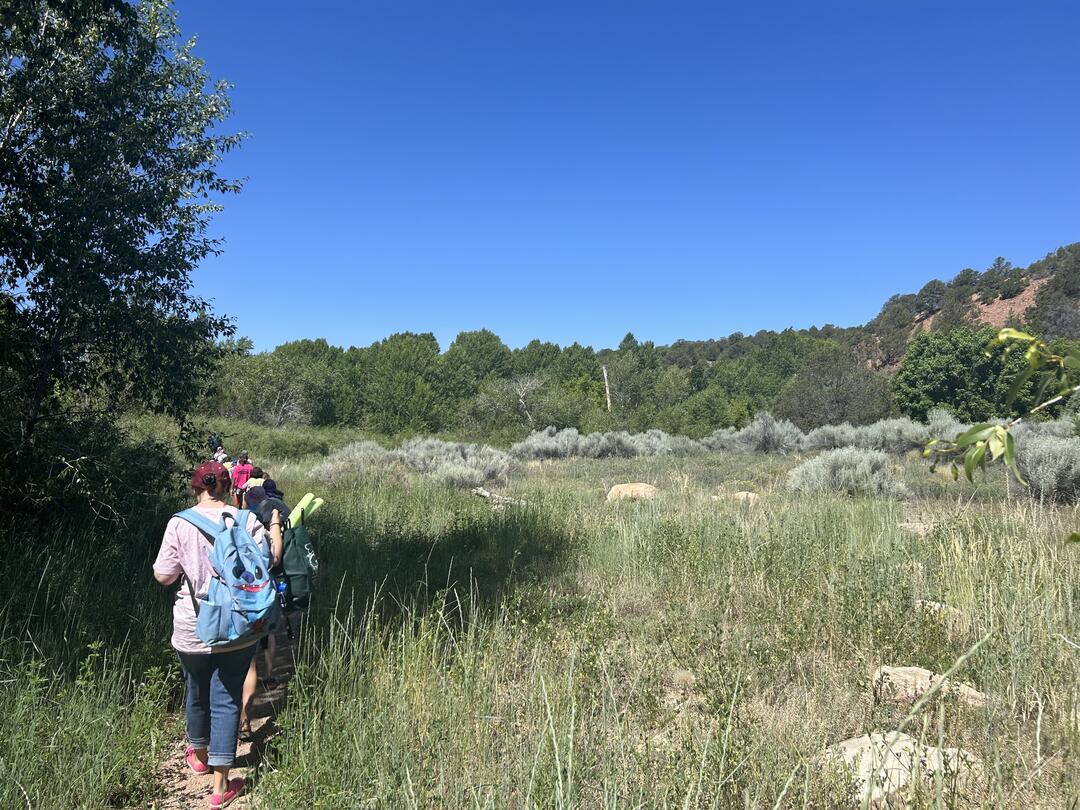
{"x": 882, "y": 763}
{"x": 621, "y": 492}
{"x": 908, "y": 684}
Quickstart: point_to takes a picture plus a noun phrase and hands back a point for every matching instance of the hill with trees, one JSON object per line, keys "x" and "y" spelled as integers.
{"x": 923, "y": 350}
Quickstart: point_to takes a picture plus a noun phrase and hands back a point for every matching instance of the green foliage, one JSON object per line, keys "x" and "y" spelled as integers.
{"x": 954, "y": 369}
{"x": 108, "y": 175}
{"x": 831, "y": 387}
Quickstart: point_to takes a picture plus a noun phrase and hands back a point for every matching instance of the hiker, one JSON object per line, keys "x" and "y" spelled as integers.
{"x": 256, "y": 479}
{"x": 241, "y": 472}
{"x": 214, "y": 676}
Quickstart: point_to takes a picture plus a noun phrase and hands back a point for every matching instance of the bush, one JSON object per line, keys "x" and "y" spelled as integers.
{"x": 1050, "y": 465}
{"x": 455, "y": 463}
{"x": 451, "y": 463}
{"x": 352, "y": 460}
{"x": 850, "y": 470}
{"x": 568, "y": 443}
{"x": 764, "y": 434}
{"x": 888, "y": 435}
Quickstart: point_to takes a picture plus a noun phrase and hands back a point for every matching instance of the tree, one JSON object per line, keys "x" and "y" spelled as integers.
{"x": 109, "y": 154}
{"x": 398, "y": 383}
{"x": 953, "y": 369}
{"x": 930, "y": 298}
{"x": 833, "y": 387}
{"x": 484, "y": 352}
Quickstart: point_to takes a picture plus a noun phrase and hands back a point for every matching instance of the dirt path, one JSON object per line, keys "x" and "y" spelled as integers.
{"x": 185, "y": 790}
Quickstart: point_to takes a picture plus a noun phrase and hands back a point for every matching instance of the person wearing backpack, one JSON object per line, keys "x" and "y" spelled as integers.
{"x": 222, "y": 609}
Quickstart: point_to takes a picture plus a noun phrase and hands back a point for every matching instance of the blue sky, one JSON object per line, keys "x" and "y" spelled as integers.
{"x": 575, "y": 170}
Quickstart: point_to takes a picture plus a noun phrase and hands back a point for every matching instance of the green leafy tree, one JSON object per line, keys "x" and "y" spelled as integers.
{"x": 398, "y": 384}
{"x": 953, "y": 369}
{"x": 484, "y": 353}
{"x": 110, "y": 143}
{"x": 833, "y": 387}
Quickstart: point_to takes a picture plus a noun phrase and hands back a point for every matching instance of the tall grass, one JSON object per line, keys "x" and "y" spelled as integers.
{"x": 681, "y": 652}
{"x": 566, "y": 652}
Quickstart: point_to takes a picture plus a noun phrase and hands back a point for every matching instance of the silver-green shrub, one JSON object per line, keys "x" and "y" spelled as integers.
{"x": 451, "y": 463}
{"x": 1050, "y": 465}
{"x": 568, "y": 443}
{"x": 888, "y": 435}
{"x": 850, "y": 470}
{"x": 351, "y": 461}
{"x": 764, "y": 434}
{"x": 455, "y": 463}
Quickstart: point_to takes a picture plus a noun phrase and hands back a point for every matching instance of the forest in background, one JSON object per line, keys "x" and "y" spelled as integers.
{"x": 923, "y": 350}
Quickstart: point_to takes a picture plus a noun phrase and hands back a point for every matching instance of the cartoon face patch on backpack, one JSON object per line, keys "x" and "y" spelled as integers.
{"x": 241, "y": 603}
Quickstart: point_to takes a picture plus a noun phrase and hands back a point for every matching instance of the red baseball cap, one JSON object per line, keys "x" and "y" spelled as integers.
{"x": 208, "y": 474}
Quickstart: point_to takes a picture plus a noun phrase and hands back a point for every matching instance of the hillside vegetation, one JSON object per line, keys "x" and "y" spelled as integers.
{"x": 923, "y": 350}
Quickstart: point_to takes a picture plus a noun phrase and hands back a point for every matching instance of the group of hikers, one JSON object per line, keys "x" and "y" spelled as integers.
{"x": 244, "y": 561}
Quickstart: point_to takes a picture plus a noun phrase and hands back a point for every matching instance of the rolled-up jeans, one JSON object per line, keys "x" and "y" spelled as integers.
{"x": 215, "y": 689}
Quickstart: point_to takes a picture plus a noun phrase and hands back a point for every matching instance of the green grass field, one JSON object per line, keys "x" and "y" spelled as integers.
{"x": 568, "y": 652}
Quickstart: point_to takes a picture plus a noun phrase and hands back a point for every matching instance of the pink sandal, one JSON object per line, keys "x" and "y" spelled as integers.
{"x": 232, "y": 790}
{"x": 193, "y": 762}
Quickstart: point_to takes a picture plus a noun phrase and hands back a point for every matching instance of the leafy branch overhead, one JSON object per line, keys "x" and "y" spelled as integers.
{"x": 986, "y": 443}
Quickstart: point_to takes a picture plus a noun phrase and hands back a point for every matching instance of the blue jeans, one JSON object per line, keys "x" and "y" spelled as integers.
{"x": 215, "y": 689}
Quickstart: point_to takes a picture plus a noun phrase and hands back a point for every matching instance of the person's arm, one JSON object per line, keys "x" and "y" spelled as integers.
{"x": 167, "y": 567}
{"x": 277, "y": 546}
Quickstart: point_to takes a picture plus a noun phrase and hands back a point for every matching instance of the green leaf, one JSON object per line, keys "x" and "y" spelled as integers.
{"x": 996, "y": 443}
{"x": 1073, "y": 538}
{"x": 976, "y": 433}
{"x": 1007, "y": 334}
{"x": 972, "y": 459}
{"x": 1010, "y": 457}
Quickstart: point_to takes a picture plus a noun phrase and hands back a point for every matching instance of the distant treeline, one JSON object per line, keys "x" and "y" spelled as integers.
{"x": 922, "y": 351}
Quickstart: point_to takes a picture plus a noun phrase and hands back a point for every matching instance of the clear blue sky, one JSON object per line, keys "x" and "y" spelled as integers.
{"x": 574, "y": 170}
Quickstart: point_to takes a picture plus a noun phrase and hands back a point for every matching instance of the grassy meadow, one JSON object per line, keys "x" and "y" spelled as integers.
{"x": 687, "y": 651}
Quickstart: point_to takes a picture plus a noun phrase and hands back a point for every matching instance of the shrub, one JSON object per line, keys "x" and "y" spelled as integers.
{"x": 1050, "y": 465}
{"x": 850, "y": 470}
{"x": 888, "y": 435}
{"x": 764, "y": 434}
{"x": 451, "y": 463}
{"x": 352, "y": 460}
{"x": 568, "y": 443}
{"x": 455, "y": 463}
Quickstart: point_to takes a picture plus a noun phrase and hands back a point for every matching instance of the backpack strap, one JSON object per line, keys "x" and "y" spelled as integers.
{"x": 208, "y": 529}
{"x": 200, "y": 522}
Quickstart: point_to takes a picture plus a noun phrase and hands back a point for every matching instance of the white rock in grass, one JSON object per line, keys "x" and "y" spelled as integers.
{"x": 633, "y": 492}
{"x": 882, "y": 763}
{"x": 908, "y": 684}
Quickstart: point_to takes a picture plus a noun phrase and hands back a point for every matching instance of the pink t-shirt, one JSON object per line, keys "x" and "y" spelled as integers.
{"x": 185, "y": 550}
{"x": 240, "y": 475}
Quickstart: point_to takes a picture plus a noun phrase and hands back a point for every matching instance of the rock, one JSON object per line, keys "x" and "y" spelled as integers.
{"x": 632, "y": 492}
{"x": 495, "y": 498}
{"x": 908, "y": 684}
{"x": 945, "y": 612}
{"x": 916, "y": 528}
{"x": 883, "y": 763}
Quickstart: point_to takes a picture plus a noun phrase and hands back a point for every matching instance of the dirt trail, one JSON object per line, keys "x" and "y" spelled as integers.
{"x": 185, "y": 790}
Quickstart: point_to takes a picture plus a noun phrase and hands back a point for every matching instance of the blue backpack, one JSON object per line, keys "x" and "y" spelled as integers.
{"x": 242, "y": 601}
